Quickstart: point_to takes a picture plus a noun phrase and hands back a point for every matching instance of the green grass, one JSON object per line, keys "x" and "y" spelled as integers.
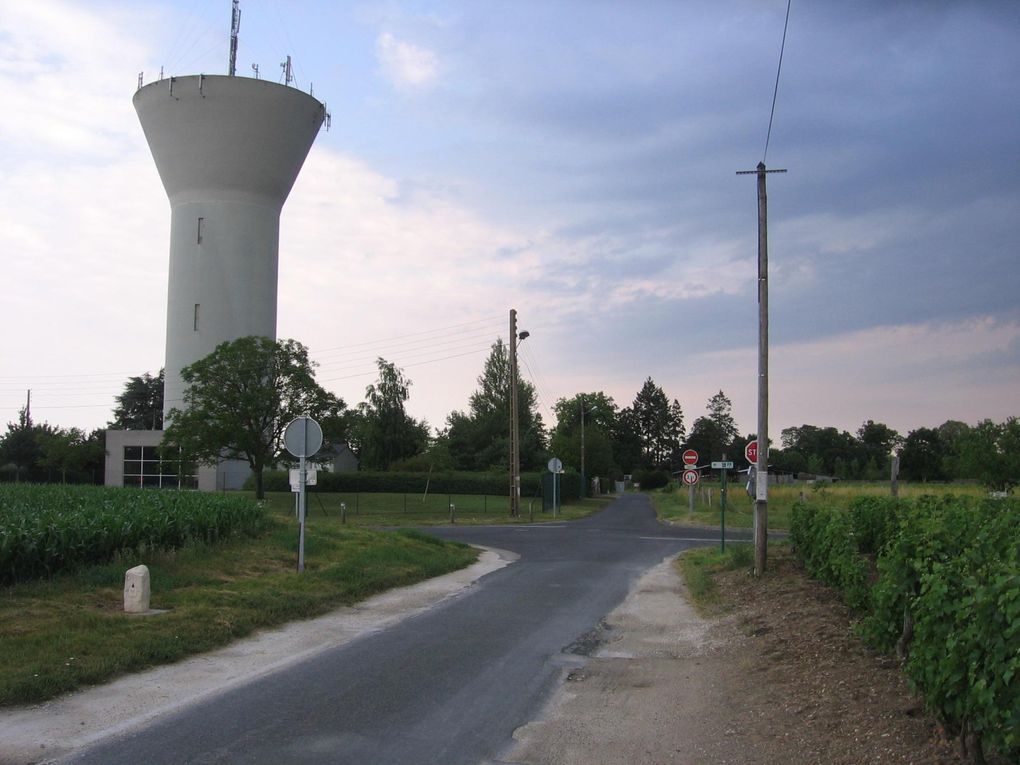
{"x": 70, "y": 631}
{"x": 699, "y": 567}
{"x": 381, "y": 509}
{"x": 674, "y": 505}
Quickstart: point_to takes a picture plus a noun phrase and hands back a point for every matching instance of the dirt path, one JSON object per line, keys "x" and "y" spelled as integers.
{"x": 779, "y": 679}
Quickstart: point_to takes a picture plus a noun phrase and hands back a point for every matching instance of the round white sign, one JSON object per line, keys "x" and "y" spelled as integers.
{"x": 303, "y": 436}
{"x": 555, "y": 466}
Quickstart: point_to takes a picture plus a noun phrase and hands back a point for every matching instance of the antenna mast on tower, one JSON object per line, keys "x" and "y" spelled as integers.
{"x": 235, "y": 27}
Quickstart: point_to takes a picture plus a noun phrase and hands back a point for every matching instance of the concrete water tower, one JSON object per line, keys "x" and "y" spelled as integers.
{"x": 228, "y": 150}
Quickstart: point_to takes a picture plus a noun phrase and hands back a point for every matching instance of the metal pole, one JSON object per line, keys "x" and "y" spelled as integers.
{"x": 302, "y": 477}
{"x": 722, "y": 532}
{"x": 894, "y": 477}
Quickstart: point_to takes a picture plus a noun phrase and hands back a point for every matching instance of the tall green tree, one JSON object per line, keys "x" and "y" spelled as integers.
{"x": 877, "y": 443}
{"x": 384, "y": 433}
{"x": 140, "y": 405}
{"x": 626, "y": 442}
{"x": 600, "y": 414}
{"x": 990, "y": 452}
{"x": 479, "y": 439}
{"x": 20, "y": 449}
{"x": 659, "y": 424}
{"x": 64, "y": 450}
{"x": 239, "y": 400}
{"x": 716, "y": 433}
{"x": 923, "y": 457}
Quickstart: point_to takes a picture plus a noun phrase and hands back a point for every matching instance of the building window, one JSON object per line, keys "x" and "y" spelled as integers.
{"x": 143, "y": 468}
{"x": 196, "y": 318}
{"x": 201, "y": 221}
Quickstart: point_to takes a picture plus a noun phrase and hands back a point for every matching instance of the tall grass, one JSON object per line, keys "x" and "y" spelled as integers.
{"x": 48, "y": 529}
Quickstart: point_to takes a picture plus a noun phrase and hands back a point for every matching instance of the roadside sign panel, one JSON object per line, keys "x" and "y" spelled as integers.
{"x": 690, "y": 477}
{"x": 722, "y": 465}
{"x": 690, "y": 457}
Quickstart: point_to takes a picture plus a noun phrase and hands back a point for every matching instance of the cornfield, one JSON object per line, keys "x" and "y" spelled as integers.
{"x": 45, "y": 530}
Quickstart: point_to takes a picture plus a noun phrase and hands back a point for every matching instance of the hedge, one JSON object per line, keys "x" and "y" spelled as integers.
{"x": 946, "y": 595}
{"x": 493, "y": 484}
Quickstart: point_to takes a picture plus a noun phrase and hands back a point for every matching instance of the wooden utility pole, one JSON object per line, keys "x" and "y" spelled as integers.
{"x": 761, "y": 507}
{"x": 515, "y": 452}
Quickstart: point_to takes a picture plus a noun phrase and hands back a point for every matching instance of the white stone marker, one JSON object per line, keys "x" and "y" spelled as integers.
{"x": 136, "y": 590}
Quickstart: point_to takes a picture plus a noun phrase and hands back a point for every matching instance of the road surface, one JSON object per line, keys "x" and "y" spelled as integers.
{"x": 449, "y": 685}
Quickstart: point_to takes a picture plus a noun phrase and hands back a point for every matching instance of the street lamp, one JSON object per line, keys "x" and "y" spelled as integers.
{"x": 584, "y": 485}
{"x": 515, "y": 446}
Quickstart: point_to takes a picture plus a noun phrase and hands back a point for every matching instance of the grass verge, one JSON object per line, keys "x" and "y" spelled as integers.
{"x": 64, "y": 633}
{"x": 394, "y": 509}
{"x": 699, "y": 567}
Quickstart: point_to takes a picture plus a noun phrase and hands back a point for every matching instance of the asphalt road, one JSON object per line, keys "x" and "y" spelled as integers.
{"x": 447, "y": 686}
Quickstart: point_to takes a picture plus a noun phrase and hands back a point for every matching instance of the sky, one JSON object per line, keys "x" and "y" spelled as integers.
{"x": 574, "y": 160}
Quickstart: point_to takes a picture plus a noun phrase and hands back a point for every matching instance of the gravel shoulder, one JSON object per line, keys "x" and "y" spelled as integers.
{"x": 780, "y": 677}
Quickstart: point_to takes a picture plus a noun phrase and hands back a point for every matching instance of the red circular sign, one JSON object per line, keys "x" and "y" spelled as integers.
{"x": 690, "y": 477}
{"x": 690, "y": 457}
{"x": 751, "y": 452}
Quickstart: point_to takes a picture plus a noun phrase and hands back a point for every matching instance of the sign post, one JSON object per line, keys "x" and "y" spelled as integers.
{"x": 555, "y": 467}
{"x": 722, "y": 466}
{"x": 690, "y": 459}
{"x": 302, "y": 438}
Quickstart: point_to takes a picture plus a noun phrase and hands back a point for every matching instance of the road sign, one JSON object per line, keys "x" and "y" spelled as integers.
{"x": 690, "y": 457}
{"x": 303, "y": 436}
{"x": 751, "y": 452}
{"x": 690, "y": 477}
{"x": 722, "y": 465}
{"x": 555, "y": 465}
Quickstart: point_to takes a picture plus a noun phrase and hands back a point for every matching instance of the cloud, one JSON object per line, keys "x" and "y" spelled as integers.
{"x": 406, "y": 64}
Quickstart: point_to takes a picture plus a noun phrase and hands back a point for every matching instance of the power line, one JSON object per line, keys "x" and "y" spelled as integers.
{"x": 779, "y": 69}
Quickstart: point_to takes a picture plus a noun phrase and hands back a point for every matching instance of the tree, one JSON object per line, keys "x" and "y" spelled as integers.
{"x": 140, "y": 406}
{"x": 877, "y": 442}
{"x": 239, "y": 400}
{"x": 599, "y": 420}
{"x": 720, "y": 411}
{"x": 63, "y": 450}
{"x": 660, "y": 424}
{"x": 19, "y": 447}
{"x": 626, "y": 442}
{"x": 824, "y": 448}
{"x": 922, "y": 458}
{"x": 716, "y": 433}
{"x": 479, "y": 439}
{"x": 990, "y": 453}
{"x": 384, "y": 432}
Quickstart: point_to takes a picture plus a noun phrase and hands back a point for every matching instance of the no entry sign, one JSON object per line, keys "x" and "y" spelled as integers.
{"x": 690, "y": 457}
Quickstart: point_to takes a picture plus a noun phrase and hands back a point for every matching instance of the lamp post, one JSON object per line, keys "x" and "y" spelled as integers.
{"x": 584, "y": 484}
{"x": 515, "y": 448}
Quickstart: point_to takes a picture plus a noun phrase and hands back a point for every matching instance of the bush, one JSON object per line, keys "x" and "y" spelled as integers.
{"x": 947, "y": 595}
{"x": 651, "y": 479}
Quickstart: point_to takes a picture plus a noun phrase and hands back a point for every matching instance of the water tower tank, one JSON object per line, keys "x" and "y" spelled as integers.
{"x": 228, "y": 150}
